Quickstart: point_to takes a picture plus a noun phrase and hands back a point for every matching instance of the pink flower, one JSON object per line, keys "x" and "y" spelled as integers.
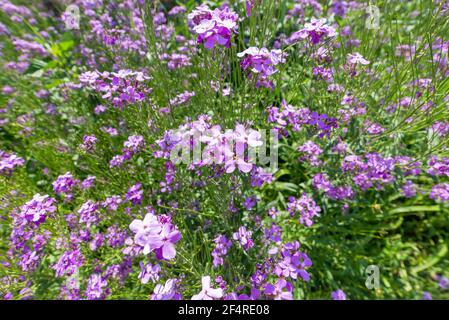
{"x": 156, "y": 234}
{"x": 208, "y": 293}
{"x": 316, "y": 30}
{"x": 357, "y": 58}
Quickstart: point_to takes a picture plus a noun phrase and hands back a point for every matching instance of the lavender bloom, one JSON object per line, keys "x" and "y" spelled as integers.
{"x": 176, "y": 10}
{"x": 68, "y": 263}
{"x": 64, "y": 184}
{"x": 440, "y": 192}
{"x": 116, "y": 237}
{"x": 36, "y": 209}
{"x": 96, "y": 242}
{"x": 99, "y": 109}
{"x": 281, "y": 290}
{"x": 135, "y": 194}
{"x": 110, "y": 130}
{"x": 89, "y": 142}
{"x": 426, "y": 296}
{"x": 96, "y": 287}
{"x": 166, "y": 292}
{"x": 122, "y": 88}
{"x": 312, "y": 151}
{"x": 443, "y": 282}
{"x": 8, "y": 162}
{"x": 262, "y": 63}
{"x": 250, "y": 202}
{"x": 112, "y": 203}
{"x": 293, "y": 262}
{"x": 409, "y": 189}
{"x": 441, "y": 128}
{"x": 177, "y": 61}
{"x": 306, "y": 207}
{"x": 88, "y": 182}
{"x": 88, "y": 213}
{"x": 338, "y": 295}
{"x": 273, "y": 233}
{"x": 222, "y": 245}
{"x": 182, "y": 98}
{"x": 149, "y": 272}
{"x": 156, "y": 234}
{"x": 134, "y": 144}
{"x": 315, "y": 31}
{"x": 244, "y": 237}
{"x": 438, "y": 167}
{"x": 214, "y": 27}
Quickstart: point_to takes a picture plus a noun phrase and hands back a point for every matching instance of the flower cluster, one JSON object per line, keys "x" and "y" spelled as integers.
{"x": 315, "y": 31}
{"x": 9, "y": 162}
{"x": 289, "y": 116}
{"x": 306, "y": 207}
{"x": 221, "y": 148}
{"x": 37, "y": 209}
{"x": 121, "y": 88}
{"x": 156, "y": 233}
{"x": 214, "y": 27}
{"x": 262, "y": 64}
{"x": 222, "y": 246}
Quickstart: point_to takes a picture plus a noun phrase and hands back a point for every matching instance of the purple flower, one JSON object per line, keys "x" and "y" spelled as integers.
{"x": 338, "y": 295}
{"x": 316, "y": 30}
{"x": 156, "y": 234}
{"x": 88, "y": 213}
{"x": 149, "y": 272}
{"x": 293, "y": 262}
{"x": 214, "y": 27}
{"x": 88, "y": 182}
{"x": 96, "y": 287}
{"x": 177, "y": 61}
{"x": 99, "y": 109}
{"x": 176, "y": 10}
{"x": 9, "y": 161}
{"x": 440, "y": 192}
{"x": 312, "y": 151}
{"x": 281, "y": 290}
{"x": 135, "y": 194}
{"x": 426, "y": 296}
{"x": 68, "y": 263}
{"x": 222, "y": 245}
{"x": 134, "y": 144}
{"x": 244, "y": 237}
{"x": 273, "y": 233}
{"x": 112, "y": 203}
{"x": 441, "y": 128}
{"x": 36, "y": 209}
{"x": 443, "y": 282}
{"x": 409, "y": 189}
{"x": 64, "y": 184}
{"x": 89, "y": 142}
{"x": 166, "y": 292}
{"x": 373, "y": 127}
{"x": 306, "y": 207}
{"x": 438, "y": 167}
{"x": 262, "y": 63}
{"x": 97, "y": 241}
{"x": 182, "y": 98}
{"x": 250, "y": 202}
